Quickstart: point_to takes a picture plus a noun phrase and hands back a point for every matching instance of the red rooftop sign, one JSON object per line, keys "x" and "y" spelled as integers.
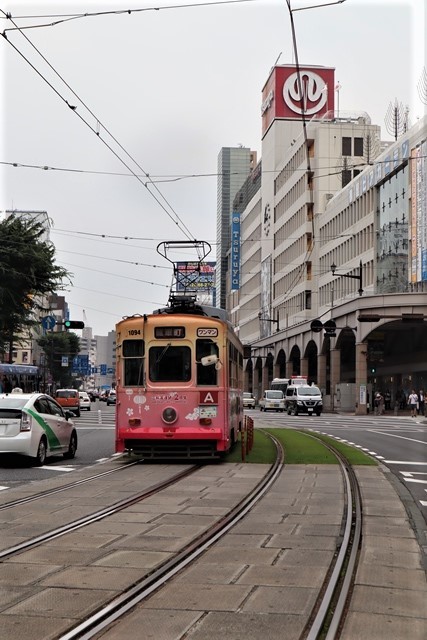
{"x": 282, "y": 98}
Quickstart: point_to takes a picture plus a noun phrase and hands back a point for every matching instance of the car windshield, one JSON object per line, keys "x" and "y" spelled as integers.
{"x": 309, "y": 391}
{"x": 275, "y": 395}
{"x": 247, "y": 395}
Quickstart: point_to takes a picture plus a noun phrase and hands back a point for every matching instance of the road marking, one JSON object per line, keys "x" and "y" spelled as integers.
{"x": 413, "y": 473}
{"x": 67, "y": 469}
{"x": 3, "y": 488}
{"x": 392, "y": 435}
{"x": 404, "y": 462}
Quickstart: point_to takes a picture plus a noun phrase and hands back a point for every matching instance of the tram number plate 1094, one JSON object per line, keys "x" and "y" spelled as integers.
{"x": 208, "y": 412}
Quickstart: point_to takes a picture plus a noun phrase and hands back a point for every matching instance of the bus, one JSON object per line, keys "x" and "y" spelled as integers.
{"x": 21, "y": 376}
{"x": 179, "y": 383}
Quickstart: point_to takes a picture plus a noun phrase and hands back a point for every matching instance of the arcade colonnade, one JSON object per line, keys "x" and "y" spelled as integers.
{"x": 389, "y": 355}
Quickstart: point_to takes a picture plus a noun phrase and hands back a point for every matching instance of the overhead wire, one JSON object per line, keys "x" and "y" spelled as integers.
{"x": 62, "y": 18}
{"x": 178, "y": 221}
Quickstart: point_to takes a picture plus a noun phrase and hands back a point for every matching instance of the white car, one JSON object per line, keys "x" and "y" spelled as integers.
{"x": 248, "y": 400}
{"x": 35, "y": 425}
{"x": 272, "y": 400}
{"x": 85, "y": 401}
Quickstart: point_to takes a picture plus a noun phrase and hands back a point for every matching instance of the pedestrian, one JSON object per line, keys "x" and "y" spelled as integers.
{"x": 381, "y": 407}
{"x": 378, "y": 404}
{"x": 421, "y": 402}
{"x": 412, "y": 402}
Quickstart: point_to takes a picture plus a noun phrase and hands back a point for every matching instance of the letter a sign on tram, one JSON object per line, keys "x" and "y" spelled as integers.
{"x": 209, "y": 397}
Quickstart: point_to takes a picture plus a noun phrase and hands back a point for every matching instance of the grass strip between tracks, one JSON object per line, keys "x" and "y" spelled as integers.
{"x": 300, "y": 448}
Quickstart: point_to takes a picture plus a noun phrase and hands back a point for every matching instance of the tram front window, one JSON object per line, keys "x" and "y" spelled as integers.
{"x": 133, "y": 357}
{"x": 170, "y": 364}
{"x": 206, "y": 375}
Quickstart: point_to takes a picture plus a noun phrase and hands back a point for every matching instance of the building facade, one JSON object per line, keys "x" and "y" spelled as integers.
{"x": 234, "y": 165}
{"x": 336, "y": 211}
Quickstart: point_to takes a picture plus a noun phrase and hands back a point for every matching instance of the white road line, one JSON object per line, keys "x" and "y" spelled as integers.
{"x": 404, "y": 462}
{"x": 392, "y": 435}
{"x": 413, "y": 473}
{"x": 415, "y": 480}
{"x": 423, "y": 503}
{"x": 3, "y": 488}
{"x": 66, "y": 469}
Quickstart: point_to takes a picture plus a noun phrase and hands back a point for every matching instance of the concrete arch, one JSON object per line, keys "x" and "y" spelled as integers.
{"x": 280, "y": 367}
{"x": 294, "y": 363}
{"x": 309, "y": 362}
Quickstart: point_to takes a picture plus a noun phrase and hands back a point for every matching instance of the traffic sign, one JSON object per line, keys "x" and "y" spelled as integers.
{"x": 330, "y": 328}
{"x": 48, "y": 322}
{"x": 316, "y": 326}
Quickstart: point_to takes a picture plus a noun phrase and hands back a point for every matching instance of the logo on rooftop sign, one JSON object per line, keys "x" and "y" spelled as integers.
{"x": 285, "y": 97}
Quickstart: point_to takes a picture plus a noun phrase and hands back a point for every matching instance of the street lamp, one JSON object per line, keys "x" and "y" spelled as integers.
{"x": 349, "y": 275}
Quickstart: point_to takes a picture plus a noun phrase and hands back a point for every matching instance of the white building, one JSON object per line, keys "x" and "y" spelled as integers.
{"x": 326, "y": 197}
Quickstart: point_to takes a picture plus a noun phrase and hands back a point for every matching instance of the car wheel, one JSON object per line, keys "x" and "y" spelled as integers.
{"x": 40, "y": 458}
{"x": 78, "y": 413}
{"x": 72, "y": 447}
{"x": 318, "y": 413}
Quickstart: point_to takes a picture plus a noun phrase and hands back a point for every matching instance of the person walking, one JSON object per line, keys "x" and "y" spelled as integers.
{"x": 412, "y": 402}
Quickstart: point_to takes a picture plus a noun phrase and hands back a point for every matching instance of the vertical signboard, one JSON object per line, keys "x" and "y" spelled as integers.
{"x": 266, "y": 268}
{"x": 235, "y": 251}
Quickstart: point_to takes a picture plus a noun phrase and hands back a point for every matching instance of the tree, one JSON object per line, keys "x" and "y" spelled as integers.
{"x": 56, "y": 346}
{"x": 27, "y": 272}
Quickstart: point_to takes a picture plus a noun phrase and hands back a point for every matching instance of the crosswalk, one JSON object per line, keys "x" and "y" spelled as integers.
{"x": 95, "y": 418}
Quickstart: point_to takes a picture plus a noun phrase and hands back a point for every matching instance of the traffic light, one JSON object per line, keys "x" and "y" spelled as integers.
{"x": 74, "y": 324}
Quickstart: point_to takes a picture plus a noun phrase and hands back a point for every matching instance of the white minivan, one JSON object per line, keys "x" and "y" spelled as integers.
{"x": 272, "y": 400}
{"x": 303, "y": 399}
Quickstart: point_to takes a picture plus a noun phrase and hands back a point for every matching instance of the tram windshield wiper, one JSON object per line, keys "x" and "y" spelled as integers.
{"x": 163, "y": 353}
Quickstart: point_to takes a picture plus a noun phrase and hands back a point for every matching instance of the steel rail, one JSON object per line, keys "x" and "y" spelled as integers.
{"x": 346, "y": 559}
{"x": 98, "y": 515}
{"x": 133, "y": 596}
{"x": 65, "y": 487}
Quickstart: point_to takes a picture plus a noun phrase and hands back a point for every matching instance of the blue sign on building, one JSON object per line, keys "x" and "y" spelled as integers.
{"x": 103, "y": 369}
{"x": 235, "y": 251}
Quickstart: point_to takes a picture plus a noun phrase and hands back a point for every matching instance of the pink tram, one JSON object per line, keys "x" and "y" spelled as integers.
{"x": 179, "y": 381}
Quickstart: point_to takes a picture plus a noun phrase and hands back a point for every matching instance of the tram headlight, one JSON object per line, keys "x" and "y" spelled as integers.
{"x": 169, "y": 415}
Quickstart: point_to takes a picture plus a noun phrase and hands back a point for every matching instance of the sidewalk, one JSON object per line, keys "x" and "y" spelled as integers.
{"x": 262, "y": 579}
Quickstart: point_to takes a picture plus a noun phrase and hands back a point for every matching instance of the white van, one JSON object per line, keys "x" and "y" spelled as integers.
{"x": 303, "y": 399}
{"x": 272, "y": 400}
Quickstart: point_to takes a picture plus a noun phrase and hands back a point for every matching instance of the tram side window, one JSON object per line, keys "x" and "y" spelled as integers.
{"x": 206, "y": 375}
{"x": 133, "y": 357}
{"x": 170, "y": 364}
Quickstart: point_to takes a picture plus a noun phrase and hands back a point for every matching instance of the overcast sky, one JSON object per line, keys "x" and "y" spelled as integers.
{"x": 166, "y": 89}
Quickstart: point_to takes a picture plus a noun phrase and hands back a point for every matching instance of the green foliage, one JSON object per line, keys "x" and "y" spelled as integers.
{"x": 27, "y": 272}
{"x": 55, "y": 346}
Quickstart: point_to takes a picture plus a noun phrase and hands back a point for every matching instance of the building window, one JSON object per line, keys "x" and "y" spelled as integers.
{"x": 346, "y": 177}
{"x": 358, "y": 146}
{"x": 346, "y": 146}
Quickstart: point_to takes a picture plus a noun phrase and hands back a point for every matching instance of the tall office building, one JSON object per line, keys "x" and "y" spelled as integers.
{"x": 234, "y": 166}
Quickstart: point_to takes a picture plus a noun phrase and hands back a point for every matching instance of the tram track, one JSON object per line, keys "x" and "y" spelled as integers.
{"x": 330, "y": 606}
{"x": 328, "y": 613}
